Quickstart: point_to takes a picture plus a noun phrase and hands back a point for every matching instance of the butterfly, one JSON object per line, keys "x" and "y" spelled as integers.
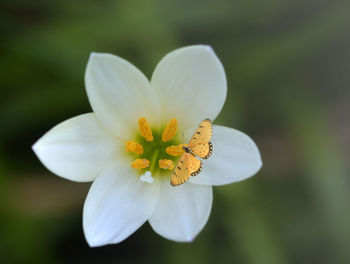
{"x": 199, "y": 145}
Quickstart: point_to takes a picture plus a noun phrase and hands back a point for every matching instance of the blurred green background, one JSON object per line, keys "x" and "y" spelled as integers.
{"x": 288, "y": 69}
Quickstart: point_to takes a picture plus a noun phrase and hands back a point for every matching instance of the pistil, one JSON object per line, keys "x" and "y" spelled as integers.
{"x": 154, "y": 159}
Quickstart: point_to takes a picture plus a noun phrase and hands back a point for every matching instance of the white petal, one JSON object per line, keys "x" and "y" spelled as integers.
{"x": 182, "y": 211}
{"x": 119, "y": 94}
{"x": 78, "y": 148}
{"x": 118, "y": 203}
{"x": 191, "y": 83}
{"x": 235, "y": 158}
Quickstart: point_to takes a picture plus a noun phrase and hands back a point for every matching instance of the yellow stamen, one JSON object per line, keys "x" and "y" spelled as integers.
{"x": 134, "y": 147}
{"x": 145, "y": 129}
{"x": 175, "y": 150}
{"x": 170, "y": 130}
{"x": 166, "y": 164}
{"x": 140, "y": 164}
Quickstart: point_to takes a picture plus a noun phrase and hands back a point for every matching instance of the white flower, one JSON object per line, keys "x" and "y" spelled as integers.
{"x": 119, "y": 146}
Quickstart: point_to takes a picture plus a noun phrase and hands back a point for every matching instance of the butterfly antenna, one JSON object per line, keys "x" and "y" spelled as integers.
{"x": 182, "y": 139}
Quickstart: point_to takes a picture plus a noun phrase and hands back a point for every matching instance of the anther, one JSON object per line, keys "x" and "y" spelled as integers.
{"x": 166, "y": 164}
{"x": 140, "y": 164}
{"x": 175, "y": 150}
{"x": 145, "y": 129}
{"x": 134, "y": 147}
{"x": 170, "y": 130}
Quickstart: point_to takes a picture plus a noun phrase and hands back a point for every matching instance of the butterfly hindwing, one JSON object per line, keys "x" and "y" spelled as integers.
{"x": 203, "y": 150}
{"x": 195, "y": 165}
{"x": 202, "y": 134}
{"x": 187, "y": 166}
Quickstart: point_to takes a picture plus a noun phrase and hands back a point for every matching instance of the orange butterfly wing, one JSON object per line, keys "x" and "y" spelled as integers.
{"x": 199, "y": 142}
{"x": 202, "y": 134}
{"x": 187, "y": 166}
{"x": 195, "y": 165}
{"x": 204, "y": 150}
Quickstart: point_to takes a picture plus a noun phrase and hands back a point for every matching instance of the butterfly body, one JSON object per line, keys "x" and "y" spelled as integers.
{"x": 198, "y": 146}
{"x": 188, "y": 150}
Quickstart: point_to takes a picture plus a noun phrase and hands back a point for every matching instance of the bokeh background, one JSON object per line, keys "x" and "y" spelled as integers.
{"x": 288, "y": 69}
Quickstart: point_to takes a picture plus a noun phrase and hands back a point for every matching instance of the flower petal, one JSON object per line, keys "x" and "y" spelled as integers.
{"x": 182, "y": 211}
{"x": 78, "y": 148}
{"x": 119, "y": 94}
{"x": 118, "y": 203}
{"x": 191, "y": 84}
{"x": 235, "y": 158}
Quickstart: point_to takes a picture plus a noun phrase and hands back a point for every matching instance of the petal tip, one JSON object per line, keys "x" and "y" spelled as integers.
{"x": 91, "y": 239}
{"x": 96, "y": 55}
{"x": 259, "y": 160}
{"x": 34, "y": 147}
{"x": 259, "y": 165}
{"x": 190, "y": 239}
{"x": 209, "y": 48}
{"x": 92, "y": 55}
{"x": 93, "y": 243}
{"x": 203, "y": 47}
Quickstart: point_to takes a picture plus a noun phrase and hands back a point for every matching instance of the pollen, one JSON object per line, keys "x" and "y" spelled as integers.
{"x": 170, "y": 130}
{"x": 166, "y": 164}
{"x": 145, "y": 129}
{"x": 175, "y": 150}
{"x": 134, "y": 147}
{"x": 140, "y": 164}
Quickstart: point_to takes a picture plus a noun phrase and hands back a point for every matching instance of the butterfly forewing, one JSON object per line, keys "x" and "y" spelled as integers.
{"x": 202, "y": 134}
{"x": 181, "y": 172}
{"x": 203, "y": 150}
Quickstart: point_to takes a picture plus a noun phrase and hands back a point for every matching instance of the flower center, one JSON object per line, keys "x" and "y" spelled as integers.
{"x": 154, "y": 151}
